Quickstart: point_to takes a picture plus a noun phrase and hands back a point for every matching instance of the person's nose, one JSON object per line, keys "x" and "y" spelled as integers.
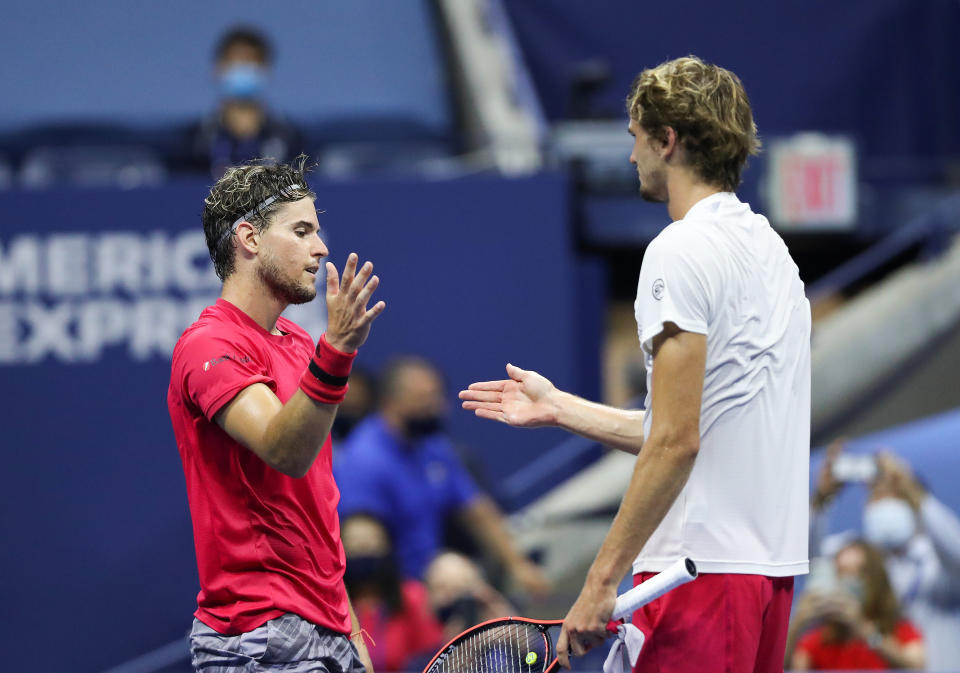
{"x": 319, "y": 248}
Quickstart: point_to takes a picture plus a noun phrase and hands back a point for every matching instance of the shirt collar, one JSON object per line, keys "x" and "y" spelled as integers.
{"x": 711, "y": 204}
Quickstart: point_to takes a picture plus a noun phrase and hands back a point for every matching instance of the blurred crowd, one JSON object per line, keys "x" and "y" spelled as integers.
{"x": 428, "y": 552}
{"x": 886, "y": 596}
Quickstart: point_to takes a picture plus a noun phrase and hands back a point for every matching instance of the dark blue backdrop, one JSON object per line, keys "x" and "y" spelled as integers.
{"x": 885, "y": 71}
{"x": 98, "y": 560}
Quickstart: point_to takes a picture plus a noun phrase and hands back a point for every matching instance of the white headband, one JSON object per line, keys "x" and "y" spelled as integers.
{"x": 259, "y": 207}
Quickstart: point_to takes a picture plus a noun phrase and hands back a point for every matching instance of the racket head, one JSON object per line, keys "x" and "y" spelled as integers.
{"x": 507, "y": 645}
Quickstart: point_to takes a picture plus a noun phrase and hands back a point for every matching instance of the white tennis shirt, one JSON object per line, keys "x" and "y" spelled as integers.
{"x": 722, "y": 271}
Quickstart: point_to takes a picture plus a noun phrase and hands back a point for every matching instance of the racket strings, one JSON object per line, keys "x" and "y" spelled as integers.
{"x": 513, "y": 647}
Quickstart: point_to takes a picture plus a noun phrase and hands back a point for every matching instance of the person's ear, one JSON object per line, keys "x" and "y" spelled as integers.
{"x": 670, "y": 143}
{"x": 248, "y": 237}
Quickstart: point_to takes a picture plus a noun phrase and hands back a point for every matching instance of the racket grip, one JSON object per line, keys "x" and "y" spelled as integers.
{"x": 680, "y": 572}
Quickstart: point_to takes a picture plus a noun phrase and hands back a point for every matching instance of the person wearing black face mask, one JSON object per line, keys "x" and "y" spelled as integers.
{"x": 400, "y": 465}
{"x": 242, "y": 127}
{"x": 460, "y": 595}
{"x": 394, "y": 613}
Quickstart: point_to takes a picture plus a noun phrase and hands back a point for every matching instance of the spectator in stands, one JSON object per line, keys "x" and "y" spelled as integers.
{"x": 357, "y": 405}
{"x": 242, "y": 127}
{"x": 857, "y": 625}
{"x": 395, "y": 613}
{"x": 401, "y": 466}
{"x": 460, "y": 595}
{"x": 920, "y": 538}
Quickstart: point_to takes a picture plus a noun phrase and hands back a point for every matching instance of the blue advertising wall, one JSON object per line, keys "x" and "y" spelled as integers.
{"x": 95, "y": 287}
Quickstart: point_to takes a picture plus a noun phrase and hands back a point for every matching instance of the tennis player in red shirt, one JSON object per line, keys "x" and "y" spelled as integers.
{"x": 252, "y": 400}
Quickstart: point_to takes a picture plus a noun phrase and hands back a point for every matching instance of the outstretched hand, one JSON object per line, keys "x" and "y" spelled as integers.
{"x": 525, "y": 400}
{"x": 348, "y": 319}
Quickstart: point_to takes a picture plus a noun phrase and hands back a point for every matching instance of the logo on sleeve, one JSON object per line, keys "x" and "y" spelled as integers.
{"x": 658, "y": 289}
{"x": 209, "y": 364}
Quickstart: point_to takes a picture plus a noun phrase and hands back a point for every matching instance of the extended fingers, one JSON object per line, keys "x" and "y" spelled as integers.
{"x": 563, "y": 649}
{"x": 349, "y": 271}
{"x": 486, "y": 385}
{"x": 374, "y": 311}
{"x": 359, "y": 282}
{"x": 333, "y": 280}
{"x": 490, "y": 415}
{"x": 489, "y": 406}
{"x": 482, "y": 395}
{"x": 364, "y": 295}
{"x": 515, "y": 372}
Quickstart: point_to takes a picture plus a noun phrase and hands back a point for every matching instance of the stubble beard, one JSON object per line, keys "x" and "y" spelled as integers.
{"x": 653, "y": 190}
{"x": 283, "y": 287}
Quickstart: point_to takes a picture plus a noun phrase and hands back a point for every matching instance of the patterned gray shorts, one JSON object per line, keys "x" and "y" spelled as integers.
{"x": 288, "y": 643}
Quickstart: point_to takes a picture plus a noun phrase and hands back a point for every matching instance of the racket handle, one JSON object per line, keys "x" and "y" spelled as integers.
{"x": 680, "y": 572}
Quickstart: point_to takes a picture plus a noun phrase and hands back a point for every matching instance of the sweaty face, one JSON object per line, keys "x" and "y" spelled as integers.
{"x": 290, "y": 253}
{"x": 649, "y": 165}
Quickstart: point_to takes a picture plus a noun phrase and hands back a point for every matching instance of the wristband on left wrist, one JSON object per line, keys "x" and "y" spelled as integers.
{"x": 326, "y": 376}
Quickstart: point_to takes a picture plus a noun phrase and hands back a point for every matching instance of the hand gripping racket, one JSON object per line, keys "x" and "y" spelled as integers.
{"x": 520, "y": 645}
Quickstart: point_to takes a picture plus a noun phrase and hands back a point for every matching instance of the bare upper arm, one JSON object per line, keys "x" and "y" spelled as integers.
{"x": 247, "y": 416}
{"x": 679, "y": 362}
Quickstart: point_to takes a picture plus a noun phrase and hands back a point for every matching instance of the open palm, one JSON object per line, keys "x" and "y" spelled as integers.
{"x": 525, "y": 400}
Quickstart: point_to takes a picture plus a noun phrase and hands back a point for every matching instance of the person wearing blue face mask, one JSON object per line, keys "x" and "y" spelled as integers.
{"x": 242, "y": 127}
{"x": 400, "y": 465}
{"x": 920, "y": 539}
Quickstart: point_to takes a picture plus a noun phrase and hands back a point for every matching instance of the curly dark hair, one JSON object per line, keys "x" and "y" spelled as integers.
{"x": 708, "y": 108}
{"x": 244, "y": 189}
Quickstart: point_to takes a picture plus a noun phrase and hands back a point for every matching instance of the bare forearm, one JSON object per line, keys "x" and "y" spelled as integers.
{"x": 296, "y": 434}
{"x": 357, "y": 637}
{"x": 659, "y": 475}
{"x": 618, "y": 428}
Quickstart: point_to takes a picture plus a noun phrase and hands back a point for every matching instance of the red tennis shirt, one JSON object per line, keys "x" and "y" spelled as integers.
{"x": 266, "y": 543}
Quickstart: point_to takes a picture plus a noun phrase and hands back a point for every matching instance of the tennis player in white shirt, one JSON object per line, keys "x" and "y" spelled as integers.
{"x": 724, "y": 324}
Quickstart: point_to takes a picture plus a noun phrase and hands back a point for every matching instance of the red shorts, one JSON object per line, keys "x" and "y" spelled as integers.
{"x": 719, "y": 623}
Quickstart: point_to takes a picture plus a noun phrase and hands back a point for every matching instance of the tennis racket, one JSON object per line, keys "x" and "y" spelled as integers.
{"x": 521, "y": 645}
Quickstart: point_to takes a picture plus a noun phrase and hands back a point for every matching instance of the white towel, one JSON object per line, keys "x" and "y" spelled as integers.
{"x": 629, "y": 637}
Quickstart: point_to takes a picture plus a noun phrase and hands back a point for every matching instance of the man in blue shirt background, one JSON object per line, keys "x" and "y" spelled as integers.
{"x": 399, "y": 465}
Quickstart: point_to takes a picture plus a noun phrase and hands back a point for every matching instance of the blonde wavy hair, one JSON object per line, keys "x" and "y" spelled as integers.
{"x": 709, "y": 110}
{"x": 242, "y": 191}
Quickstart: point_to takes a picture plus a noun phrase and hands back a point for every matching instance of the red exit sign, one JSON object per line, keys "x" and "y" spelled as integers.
{"x": 811, "y": 182}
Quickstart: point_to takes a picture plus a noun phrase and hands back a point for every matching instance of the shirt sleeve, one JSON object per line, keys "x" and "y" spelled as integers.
{"x": 214, "y": 369}
{"x": 674, "y": 287}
